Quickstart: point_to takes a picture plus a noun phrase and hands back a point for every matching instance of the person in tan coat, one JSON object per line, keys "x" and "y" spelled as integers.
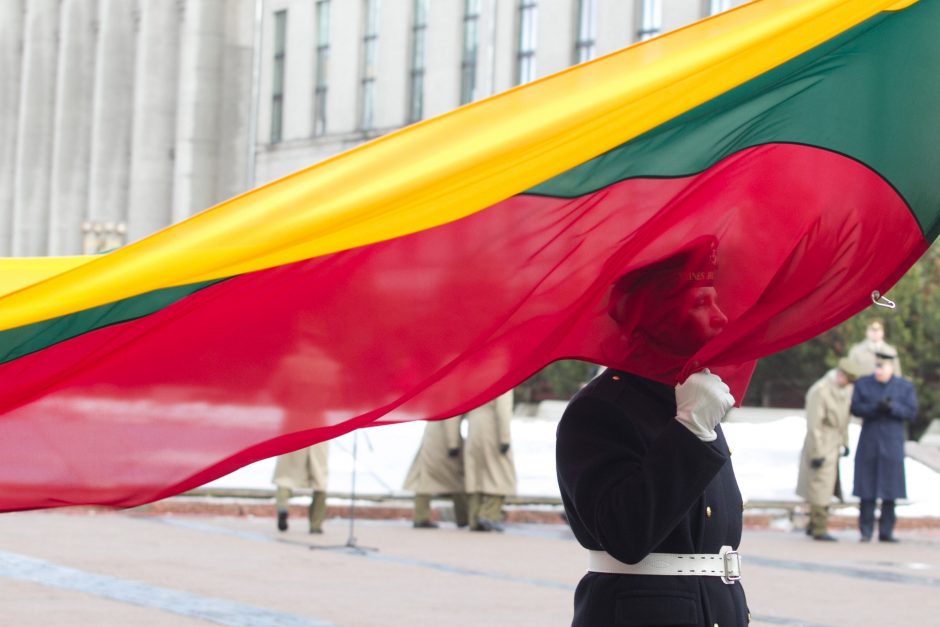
{"x": 827, "y": 436}
{"x": 488, "y": 462}
{"x": 865, "y": 352}
{"x": 437, "y": 470}
{"x": 306, "y": 468}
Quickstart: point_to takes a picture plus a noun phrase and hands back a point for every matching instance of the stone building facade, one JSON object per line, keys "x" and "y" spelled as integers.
{"x": 120, "y": 117}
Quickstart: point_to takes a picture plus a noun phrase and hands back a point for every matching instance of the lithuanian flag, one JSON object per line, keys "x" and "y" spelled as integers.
{"x": 422, "y": 274}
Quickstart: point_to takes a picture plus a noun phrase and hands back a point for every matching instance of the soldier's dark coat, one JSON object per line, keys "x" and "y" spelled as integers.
{"x": 879, "y": 457}
{"x": 635, "y": 481}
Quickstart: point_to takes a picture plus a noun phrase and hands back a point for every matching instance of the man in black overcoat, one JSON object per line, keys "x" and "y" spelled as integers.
{"x": 645, "y": 471}
{"x": 884, "y": 402}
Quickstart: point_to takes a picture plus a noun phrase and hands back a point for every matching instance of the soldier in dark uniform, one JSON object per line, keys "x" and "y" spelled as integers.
{"x": 884, "y": 402}
{"x": 645, "y": 472}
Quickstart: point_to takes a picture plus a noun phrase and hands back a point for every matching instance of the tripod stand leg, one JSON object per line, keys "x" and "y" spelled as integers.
{"x": 351, "y": 544}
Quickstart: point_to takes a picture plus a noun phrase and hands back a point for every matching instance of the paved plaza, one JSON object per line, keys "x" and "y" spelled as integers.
{"x": 135, "y": 568}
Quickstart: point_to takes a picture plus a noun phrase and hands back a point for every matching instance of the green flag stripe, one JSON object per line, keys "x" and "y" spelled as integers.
{"x": 869, "y": 94}
{"x": 15, "y": 343}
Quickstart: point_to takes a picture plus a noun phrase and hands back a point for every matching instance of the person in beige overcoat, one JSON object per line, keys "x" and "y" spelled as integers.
{"x": 437, "y": 470}
{"x": 864, "y": 353}
{"x": 306, "y": 468}
{"x": 827, "y": 436}
{"x": 488, "y": 462}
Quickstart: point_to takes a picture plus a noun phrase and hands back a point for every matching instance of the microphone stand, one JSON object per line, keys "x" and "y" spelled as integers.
{"x": 351, "y": 545}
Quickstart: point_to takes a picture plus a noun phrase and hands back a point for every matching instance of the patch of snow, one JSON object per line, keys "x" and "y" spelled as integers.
{"x": 765, "y": 455}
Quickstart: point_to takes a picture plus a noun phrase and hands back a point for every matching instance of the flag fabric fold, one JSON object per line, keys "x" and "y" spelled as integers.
{"x": 422, "y": 274}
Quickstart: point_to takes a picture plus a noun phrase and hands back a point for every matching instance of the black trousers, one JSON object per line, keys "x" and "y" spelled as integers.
{"x": 866, "y": 518}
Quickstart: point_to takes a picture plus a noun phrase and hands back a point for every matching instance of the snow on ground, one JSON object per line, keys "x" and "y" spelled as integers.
{"x": 384, "y": 455}
{"x": 765, "y": 455}
{"x": 766, "y": 461}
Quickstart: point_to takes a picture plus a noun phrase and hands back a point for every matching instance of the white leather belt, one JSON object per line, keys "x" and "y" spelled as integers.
{"x": 725, "y": 564}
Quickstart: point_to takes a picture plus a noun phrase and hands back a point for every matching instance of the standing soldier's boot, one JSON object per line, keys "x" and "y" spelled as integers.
{"x": 819, "y": 523}
{"x": 461, "y": 514}
{"x": 422, "y": 512}
{"x": 886, "y": 522}
{"x": 490, "y": 516}
{"x": 317, "y": 511}
{"x": 473, "y": 511}
{"x": 281, "y": 498}
{"x": 866, "y": 519}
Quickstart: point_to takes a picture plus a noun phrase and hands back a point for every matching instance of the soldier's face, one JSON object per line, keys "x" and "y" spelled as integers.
{"x": 690, "y": 320}
{"x": 883, "y": 371}
{"x": 700, "y": 317}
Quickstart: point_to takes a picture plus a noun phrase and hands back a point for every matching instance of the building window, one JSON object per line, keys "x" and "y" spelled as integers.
{"x": 717, "y": 6}
{"x": 586, "y": 40}
{"x": 468, "y": 62}
{"x": 370, "y": 45}
{"x": 322, "y": 66}
{"x": 651, "y": 19}
{"x": 528, "y": 35}
{"x": 277, "y": 83}
{"x": 419, "y": 33}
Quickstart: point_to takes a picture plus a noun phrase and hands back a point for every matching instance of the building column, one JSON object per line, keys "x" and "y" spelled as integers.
{"x": 235, "y": 107}
{"x": 34, "y": 145}
{"x": 71, "y": 149}
{"x": 197, "y": 126}
{"x": 112, "y": 113}
{"x": 11, "y": 58}
{"x": 154, "y": 129}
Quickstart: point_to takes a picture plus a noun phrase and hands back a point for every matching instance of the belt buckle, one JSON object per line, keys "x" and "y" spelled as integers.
{"x": 731, "y": 561}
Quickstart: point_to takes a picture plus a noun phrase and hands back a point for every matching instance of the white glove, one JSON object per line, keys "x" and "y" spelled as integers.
{"x": 701, "y": 402}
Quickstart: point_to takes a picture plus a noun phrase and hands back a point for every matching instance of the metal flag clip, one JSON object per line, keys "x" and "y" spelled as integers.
{"x": 882, "y": 301}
